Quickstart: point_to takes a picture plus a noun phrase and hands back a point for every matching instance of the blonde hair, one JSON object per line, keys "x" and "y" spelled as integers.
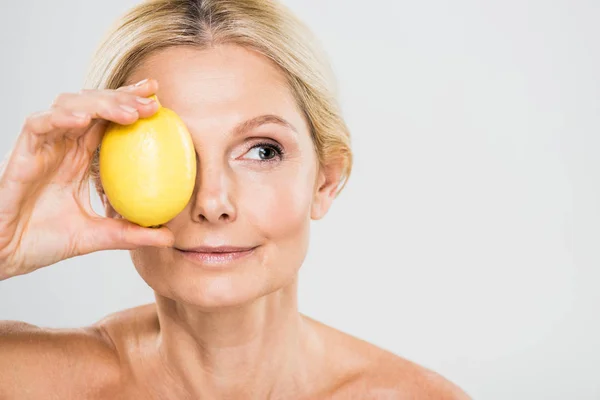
{"x": 265, "y": 26}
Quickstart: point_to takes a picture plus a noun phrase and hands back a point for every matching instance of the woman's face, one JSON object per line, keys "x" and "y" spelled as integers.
{"x": 258, "y": 183}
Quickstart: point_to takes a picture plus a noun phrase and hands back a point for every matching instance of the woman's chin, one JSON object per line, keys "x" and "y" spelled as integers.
{"x": 212, "y": 283}
{"x": 212, "y": 290}
{"x": 215, "y": 301}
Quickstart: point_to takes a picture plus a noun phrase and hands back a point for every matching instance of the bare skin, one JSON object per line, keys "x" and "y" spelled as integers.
{"x": 216, "y": 331}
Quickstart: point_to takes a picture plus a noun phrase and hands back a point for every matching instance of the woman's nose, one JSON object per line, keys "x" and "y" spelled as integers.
{"x": 212, "y": 200}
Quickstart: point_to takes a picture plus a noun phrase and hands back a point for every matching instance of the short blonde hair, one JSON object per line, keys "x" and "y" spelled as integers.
{"x": 265, "y": 26}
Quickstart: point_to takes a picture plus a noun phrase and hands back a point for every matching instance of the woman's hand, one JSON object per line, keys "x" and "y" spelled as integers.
{"x": 45, "y": 210}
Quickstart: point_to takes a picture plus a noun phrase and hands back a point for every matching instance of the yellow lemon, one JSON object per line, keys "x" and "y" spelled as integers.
{"x": 148, "y": 168}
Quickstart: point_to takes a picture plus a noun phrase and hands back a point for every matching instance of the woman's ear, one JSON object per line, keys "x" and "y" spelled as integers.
{"x": 326, "y": 187}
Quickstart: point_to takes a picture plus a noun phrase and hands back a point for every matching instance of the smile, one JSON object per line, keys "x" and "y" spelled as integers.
{"x": 216, "y": 256}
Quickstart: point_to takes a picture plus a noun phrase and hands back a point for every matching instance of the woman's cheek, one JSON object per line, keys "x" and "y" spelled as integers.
{"x": 279, "y": 203}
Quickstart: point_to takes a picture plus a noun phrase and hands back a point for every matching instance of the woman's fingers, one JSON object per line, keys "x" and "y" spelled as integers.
{"x": 49, "y": 125}
{"x": 145, "y": 87}
{"x": 120, "y": 234}
{"x": 74, "y": 114}
{"x": 123, "y": 107}
{"x": 44, "y": 122}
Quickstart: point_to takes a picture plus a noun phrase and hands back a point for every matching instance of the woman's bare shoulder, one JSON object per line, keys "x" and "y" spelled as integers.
{"x": 38, "y": 361}
{"x": 372, "y": 372}
{"x": 82, "y": 363}
{"x": 129, "y": 325}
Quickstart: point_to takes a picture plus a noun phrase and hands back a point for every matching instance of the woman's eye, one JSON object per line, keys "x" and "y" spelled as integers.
{"x": 264, "y": 152}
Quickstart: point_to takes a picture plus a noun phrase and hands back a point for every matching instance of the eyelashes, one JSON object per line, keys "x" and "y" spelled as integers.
{"x": 274, "y": 152}
{"x": 262, "y": 152}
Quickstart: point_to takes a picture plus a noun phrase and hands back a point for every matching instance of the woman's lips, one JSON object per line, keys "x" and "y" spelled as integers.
{"x": 216, "y": 255}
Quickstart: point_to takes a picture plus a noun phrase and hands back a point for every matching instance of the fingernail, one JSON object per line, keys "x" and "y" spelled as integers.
{"x": 80, "y": 115}
{"x": 140, "y": 83}
{"x": 144, "y": 100}
{"x": 127, "y": 108}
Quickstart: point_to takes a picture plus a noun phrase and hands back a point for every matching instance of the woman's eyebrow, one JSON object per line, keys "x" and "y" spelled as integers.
{"x": 262, "y": 120}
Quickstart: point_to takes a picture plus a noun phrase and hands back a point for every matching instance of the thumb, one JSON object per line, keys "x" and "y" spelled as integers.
{"x": 120, "y": 234}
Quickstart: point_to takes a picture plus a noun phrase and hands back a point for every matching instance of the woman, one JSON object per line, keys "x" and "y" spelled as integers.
{"x": 273, "y": 154}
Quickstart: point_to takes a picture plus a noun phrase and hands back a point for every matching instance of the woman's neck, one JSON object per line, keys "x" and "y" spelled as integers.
{"x": 249, "y": 351}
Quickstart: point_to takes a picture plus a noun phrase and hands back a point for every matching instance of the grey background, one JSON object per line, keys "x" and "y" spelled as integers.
{"x": 467, "y": 238}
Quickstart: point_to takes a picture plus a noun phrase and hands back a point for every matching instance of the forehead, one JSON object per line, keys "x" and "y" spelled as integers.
{"x": 220, "y": 85}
